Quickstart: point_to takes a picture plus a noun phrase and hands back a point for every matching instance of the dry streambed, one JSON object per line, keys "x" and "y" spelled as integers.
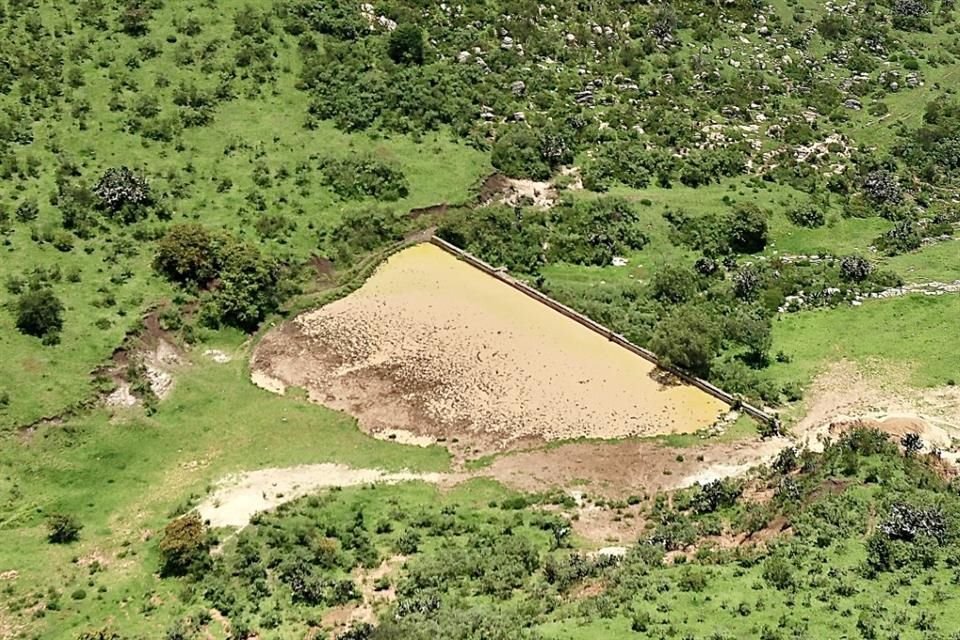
{"x": 432, "y": 349}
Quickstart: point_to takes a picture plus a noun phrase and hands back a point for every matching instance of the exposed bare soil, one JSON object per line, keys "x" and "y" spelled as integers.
{"x": 847, "y": 395}
{"x": 237, "y": 498}
{"x": 434, "y": 347}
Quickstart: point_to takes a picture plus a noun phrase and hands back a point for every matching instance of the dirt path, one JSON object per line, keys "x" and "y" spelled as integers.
{"x": 237, "y": 498}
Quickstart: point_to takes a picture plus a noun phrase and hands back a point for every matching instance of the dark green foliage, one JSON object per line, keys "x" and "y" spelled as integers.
{"x": 244, "y": 285}
{"x": 40, "y": 313}
{"x": 807, "y": 215}
{"x": 27, "y": 211}
{"x": 903, "y": 238}
{"x": 855, "y": 268}
{"x": 364, "y": 177}
{"x": 365, "y": 229}
{"x": 747, "y": 228}
{"x": 518, "y": 153}
{"x": 718, "y": 494}
{"x": 188, "y": 254}
{"x": 743, "y": 229}
{"x": 688, "y": 338}
{"x": 405, "y": 44}
{"x": 911, "y": 443}
{"x": 589, "y": 232}
{"x": 63, "y": 529}
{"x": 778, "y": 572}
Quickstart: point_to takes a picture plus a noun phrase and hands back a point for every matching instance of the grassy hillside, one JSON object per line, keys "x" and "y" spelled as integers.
{"x": 726, "y": 183}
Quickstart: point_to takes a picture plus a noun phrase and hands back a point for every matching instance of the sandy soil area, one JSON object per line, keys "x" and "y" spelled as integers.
{"x": 239, "y": 497}
{"x": 846, "y": 395}
{"x": 432, "y": 346}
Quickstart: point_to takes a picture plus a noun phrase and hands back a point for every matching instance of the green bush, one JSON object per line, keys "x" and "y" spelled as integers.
{"x": 364, "y": 177}
{"x": 40, "y": 313}
{"x": 63, "y": 529}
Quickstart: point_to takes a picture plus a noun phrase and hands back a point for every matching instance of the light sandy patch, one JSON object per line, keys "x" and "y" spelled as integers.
{"x": 401, "y": 436}
{"x": 237, "y": 498}
{"x": 122, "y": 396}
{"x": 161, "y": 381}
{"x": 633, "y": 467}
{"x": 432, "y": 346}
{"x": 264, "y": 381}
{"x": 217, "y": 356}
{"x": 846, "y": 394}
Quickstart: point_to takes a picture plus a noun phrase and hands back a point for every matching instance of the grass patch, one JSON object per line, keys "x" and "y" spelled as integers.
{"x": 916, "y": 332}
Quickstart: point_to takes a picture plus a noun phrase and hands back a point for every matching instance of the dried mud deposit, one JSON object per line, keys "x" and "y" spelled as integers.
{"x": 432, "y": 348}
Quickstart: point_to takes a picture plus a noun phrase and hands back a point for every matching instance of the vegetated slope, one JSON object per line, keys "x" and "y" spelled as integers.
{"x": 858, "y": 540}
{"x": 208, "y": 114}
{"x": 276, "y": 121}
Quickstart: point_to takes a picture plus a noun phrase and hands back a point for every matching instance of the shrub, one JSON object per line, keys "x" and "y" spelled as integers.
{"x": 806, "y": 216}
{"x": 63, "y": 529}
{"x": 357, "y": 178}
{"x": 903, "y": 238}
{"x": 855, "y": 268}
{"x": 40, "y": 314}
{"x": 405, "y": 45}
{"x": 27, "y": 211}
{"x": 184, "y": 545}
{"x": 123, "y": 194}
{"x": 517, "y": 153}
{"x": 778, "y": 572}
{"x": 882, "y": 187}
{"x": 747, "y": 228}
{"x": 911, "y": 443}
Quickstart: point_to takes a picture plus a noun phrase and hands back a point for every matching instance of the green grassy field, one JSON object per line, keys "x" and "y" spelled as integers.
{"x": 257, "y": 130}
{"x": 124, "y": 476}
{"x": 915, "y": 333}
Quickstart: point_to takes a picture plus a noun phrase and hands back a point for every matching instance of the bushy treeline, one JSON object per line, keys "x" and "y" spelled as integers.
{"x": 586, "y": 232}
{"x": 710, "y": 315}
{"x": 238, "y": 285}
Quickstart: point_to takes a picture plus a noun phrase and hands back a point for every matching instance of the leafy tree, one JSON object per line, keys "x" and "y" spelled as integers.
{"x": 687, "y": 338}
{"x": 715, "y": 495}
{"x": 40, "y": 314}
{"x": 786, "y": 461}
{"x": 188, "y": 254}
{"x": 63, "y": 529}
{"x": 747, "y": 228}
{"x": 674, "y": 284}
{"x": 405, "y": 45}
{"x": 184, "y": 545}
{"x": 248, "y": 287}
